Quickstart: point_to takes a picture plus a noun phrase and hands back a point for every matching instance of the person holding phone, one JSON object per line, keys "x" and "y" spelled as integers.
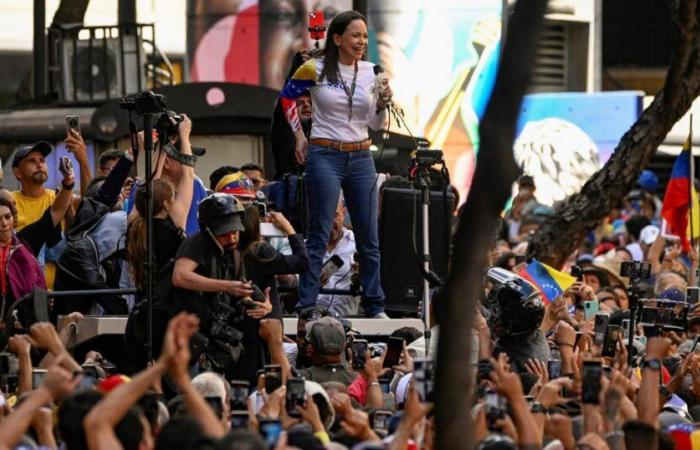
{"x": 262, "y": 261}
{"x": 337, "y": 153}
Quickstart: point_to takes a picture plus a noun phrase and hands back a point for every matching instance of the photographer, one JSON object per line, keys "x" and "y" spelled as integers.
{"x": 171, "y": 205}
{"x": 209, "y": 276}
{"x": 174, "y": 157}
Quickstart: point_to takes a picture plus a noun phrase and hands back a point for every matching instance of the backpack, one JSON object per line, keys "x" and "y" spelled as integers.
{"x": 80, "y": 268}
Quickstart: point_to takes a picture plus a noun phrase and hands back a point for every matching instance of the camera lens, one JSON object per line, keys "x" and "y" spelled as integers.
{"x": 73, "y": 123}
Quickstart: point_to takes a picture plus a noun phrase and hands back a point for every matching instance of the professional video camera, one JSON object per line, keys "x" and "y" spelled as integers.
{"x": 145, "y": 102}
{"x": 425, "y": 158}
{"x": 223, "y": 346}
{"x": 148, "y": 102}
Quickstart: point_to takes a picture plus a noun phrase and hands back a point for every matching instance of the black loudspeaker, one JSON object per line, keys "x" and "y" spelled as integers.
{"x": 400, "y": 217}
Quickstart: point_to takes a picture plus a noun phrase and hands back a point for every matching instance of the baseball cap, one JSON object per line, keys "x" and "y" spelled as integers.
{"x": 42, "y": 147}
{"x": 226, "y": 224}
{"x": 648, "y": 180}
{"x": 649, "y": 234}
{"x": 326, "y": 336}
{"x": 237, "y": 184}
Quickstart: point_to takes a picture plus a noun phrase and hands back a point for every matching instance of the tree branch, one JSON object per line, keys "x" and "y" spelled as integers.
{"x": 562, "y": 234}
{"x": 686, "y": 31}
{"x": 495, "y": 172}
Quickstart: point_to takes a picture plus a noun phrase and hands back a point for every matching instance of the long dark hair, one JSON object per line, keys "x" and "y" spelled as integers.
{"x": 330, "y": 51}
{"x": 250, "y": 242}
{"x": 136, "y": 239}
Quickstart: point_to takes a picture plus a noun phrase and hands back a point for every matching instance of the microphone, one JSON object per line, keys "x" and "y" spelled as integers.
{"x": 379, "y": 85}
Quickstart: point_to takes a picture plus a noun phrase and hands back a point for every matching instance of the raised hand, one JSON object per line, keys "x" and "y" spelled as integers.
{"x": 19, "y": 345}
{"x": 507, "y": 383}
{"x": 45, "y": 337}
{"x": 59, "y": 382}
{"x": 76, "y": 145}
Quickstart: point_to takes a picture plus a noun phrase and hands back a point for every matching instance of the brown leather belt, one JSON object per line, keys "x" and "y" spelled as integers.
{"x": 342, "y": 146}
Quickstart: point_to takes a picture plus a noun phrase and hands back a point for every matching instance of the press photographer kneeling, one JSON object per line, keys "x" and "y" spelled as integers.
{"x": 209, "y": 280}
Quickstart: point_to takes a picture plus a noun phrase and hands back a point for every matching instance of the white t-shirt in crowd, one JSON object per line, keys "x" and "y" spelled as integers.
{"x": 344, "y": 305}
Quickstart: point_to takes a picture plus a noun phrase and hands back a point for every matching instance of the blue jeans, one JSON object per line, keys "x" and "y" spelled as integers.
{"x": 328, "y": 170}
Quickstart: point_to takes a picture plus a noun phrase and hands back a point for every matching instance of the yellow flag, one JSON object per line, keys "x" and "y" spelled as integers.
{"x": 694, "y": 216}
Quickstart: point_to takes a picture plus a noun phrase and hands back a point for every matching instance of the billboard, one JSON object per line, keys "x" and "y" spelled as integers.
{"x": 440, "y": 55}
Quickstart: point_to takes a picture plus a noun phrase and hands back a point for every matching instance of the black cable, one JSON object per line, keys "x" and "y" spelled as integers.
{"x": 335, "y": 286}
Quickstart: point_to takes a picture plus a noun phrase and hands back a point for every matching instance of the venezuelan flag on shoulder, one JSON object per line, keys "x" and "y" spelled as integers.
{"x": 303, "y": 79}
{"x": 551, "y": 282}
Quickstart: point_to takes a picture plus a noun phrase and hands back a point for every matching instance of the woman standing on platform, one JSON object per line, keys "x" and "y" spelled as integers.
{"x": 337, "y": 153}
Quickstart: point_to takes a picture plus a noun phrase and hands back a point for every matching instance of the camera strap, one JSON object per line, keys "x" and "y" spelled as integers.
{"x": 134, "y": 142}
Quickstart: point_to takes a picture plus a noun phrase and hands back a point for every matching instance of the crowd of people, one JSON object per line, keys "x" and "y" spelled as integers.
{"x": 569, "y": 372}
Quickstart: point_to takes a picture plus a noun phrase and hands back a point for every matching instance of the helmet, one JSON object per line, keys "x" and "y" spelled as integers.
{"x": 515, "y": 306}
{"x": 221, "y": 214}
{"x": 237, "y": 184}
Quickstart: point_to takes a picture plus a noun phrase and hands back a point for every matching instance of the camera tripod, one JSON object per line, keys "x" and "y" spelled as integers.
{"x": 422, "y": 182}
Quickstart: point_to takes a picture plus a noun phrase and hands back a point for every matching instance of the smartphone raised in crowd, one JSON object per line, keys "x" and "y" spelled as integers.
{"x": 495, "y": 409}
{"x": 423, "y": 377}
{"x": 273, "y": 377}
{"x": 599, "y": 327}
{"x": 37, "y": 377}
{"x": 239, "y": 420}
{"x": 271, "y": 430}
{"x": 612, "y": 336}
{"x": 316, "y": 25}
{"x": 590, "y": 309}
{"x": 239, "y": 395}
{"x": 592, "y": 373}
{"x": 625, "y": 329}
{"x": 72, "y": 123}
{"x": 216, "y": 405}
{"x": 380, "y": 420}
{"x": 359, "y": 352}
{"x": 554, "y": 368}
{"x": 393, "y": 352}
{"x": 296, "y": 396}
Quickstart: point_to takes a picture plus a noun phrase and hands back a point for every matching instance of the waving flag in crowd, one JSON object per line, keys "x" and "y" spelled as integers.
{"x": 677, "y": 200}
{"x": 551, "y": 282}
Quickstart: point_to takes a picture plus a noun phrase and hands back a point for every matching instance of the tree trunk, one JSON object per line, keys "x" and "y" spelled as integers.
{"x": 562, "y": 234}
{"x": 495, "y": 172}
{"x": 68, "y": 12}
